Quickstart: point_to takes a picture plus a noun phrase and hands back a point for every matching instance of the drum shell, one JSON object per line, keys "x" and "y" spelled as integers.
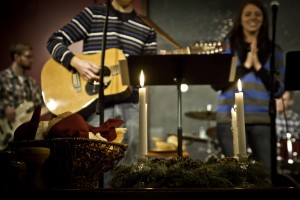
{"x": 295, "y": 150}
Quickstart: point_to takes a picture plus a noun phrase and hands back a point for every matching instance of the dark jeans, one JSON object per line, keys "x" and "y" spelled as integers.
{"x": 258, "y": 138}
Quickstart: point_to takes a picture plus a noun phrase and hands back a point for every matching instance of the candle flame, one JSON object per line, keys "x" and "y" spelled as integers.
{"x": 239, "y": 85}
{"x": 142, "y": 79}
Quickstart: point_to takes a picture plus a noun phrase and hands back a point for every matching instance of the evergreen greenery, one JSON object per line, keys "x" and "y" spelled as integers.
{"x": 185, "y": 172}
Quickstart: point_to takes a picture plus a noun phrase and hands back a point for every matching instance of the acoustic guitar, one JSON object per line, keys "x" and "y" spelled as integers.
{"x": 65, "y": 90}
{"x": 23, "y": 114}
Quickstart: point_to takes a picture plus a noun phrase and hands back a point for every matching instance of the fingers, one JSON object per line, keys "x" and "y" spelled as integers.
{"x": 10, "y": 113}
{"x": 90, "y": 77}
{"x": 88, "y": 70}
{"x": 254, "y": 48}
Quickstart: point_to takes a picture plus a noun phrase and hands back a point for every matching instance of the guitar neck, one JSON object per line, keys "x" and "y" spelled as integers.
{"x": 199, "y": 48}
{"x": 186, "y": 50}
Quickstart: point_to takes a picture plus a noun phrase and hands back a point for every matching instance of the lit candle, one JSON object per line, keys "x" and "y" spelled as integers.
{"x": 234, "y": 131}
{"x": 146, "y": 129}
{"x": 142, "y": 117}
{"x": 240, "y": 119}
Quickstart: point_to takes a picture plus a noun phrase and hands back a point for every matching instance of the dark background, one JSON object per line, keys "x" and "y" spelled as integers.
{"x": 186, "y": 22}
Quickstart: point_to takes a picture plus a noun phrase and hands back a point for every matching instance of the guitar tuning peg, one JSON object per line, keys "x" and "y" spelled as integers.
{"x": 196, "y": 44}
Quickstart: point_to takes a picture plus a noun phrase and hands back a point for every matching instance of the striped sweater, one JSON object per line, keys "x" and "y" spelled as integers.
{"x": 125, "y": 31}
{"x": 256, "y": 89}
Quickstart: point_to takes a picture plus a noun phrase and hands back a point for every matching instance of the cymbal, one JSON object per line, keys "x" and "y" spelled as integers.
{"x": 204, "y": 115}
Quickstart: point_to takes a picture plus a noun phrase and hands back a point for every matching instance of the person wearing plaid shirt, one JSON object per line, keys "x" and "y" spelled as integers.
{"x": 287, "y": 120}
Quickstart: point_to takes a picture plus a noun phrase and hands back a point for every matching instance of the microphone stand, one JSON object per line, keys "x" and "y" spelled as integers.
{"x": 272, "y": 105}
{"x": 100, "y": 103}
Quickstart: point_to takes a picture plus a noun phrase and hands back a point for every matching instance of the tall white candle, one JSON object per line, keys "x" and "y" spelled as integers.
{"x": 240, "y": 118}
{"x": 234, "y": 131}
{"x": 142, "y": 117}
{"x": 146, "y": 129}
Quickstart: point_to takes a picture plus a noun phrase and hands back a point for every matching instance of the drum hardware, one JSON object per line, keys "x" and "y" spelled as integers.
{"x": 289, "y": 149}
{"x": 202, "y": 115}
{"x": 289, "y": 154}
{"x": 208, "y": 134}
{"x": 211, "y": 132}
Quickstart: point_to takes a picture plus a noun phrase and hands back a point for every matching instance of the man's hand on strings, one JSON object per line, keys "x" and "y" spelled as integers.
{"x": 88, "y": 70}
{"x": 10, "y": 113}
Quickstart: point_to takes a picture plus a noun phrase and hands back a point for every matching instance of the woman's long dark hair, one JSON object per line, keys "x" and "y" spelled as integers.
{"x": 237, "y": 37}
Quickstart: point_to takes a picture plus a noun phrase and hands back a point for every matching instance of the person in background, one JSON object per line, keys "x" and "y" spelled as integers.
{"x": 19, "y": 91}
{"x": 287, "y": 132}
{"x": 249, "y": 41}
{"x": 287, "y": 120}
{"x": 126, "y": 31}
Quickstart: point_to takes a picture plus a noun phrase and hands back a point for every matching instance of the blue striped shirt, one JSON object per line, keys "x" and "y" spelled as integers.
{"x": 256, "y": 94}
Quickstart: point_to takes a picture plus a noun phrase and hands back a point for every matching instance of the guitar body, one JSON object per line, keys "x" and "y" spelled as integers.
{"x": 23, "y": 114}
{"x": 21, "y": 117}
{"x": 65, "y": 90}
{"x": 6, "y": 133}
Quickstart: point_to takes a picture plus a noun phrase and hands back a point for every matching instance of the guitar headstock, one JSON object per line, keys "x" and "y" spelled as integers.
{"x": 212, "y": 47}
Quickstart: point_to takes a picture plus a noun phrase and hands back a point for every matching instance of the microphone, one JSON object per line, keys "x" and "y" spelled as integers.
{"x": 275, "y": 5}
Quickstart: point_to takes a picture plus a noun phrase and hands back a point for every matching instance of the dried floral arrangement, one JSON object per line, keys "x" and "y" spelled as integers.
{"x": 186, "y": 172}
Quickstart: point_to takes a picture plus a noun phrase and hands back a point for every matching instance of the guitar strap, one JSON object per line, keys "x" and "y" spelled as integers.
{"x": 152, "y": 24}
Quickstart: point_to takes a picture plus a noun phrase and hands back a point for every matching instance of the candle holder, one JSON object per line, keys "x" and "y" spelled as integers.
{"x": 141, "y": 162}
{"x": 243, "y": 157}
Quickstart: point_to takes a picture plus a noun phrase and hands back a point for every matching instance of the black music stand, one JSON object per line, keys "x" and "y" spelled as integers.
{"x": 292, "y": 80}
{"x": 178, "y": 69}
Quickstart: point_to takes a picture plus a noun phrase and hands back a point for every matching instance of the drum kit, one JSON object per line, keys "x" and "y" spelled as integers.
{"x": 289, "y": 153}
{"x": 209, "y": 136}
{"x": 205, "y": 115}
{"x": 288, "y": 147}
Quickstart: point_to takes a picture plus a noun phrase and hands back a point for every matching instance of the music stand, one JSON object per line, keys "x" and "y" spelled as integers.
{"x": 291, "y": 80}
{"x": 190, "y": 69}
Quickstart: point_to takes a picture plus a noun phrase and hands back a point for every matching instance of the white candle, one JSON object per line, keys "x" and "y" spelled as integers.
{"x": 146, "y": 129}
{"x": 142, "y": 117}
{"x": 240, "y": 118}
{"x": 234, "y": 131}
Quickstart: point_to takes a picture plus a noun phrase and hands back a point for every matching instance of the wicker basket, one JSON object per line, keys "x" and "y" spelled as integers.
{"x": 77, "y": 163}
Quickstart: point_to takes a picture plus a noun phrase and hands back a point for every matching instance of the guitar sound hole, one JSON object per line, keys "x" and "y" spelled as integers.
{"x": 92, "y": 89}
{"x": 106, "y": 71}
